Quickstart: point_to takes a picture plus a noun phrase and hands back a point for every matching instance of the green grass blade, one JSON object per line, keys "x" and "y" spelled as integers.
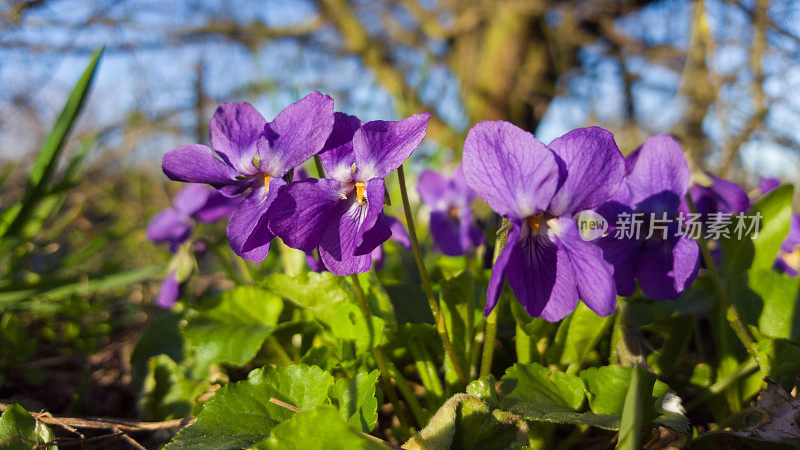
{"x": 61, "y": 288}
{"x": 51, "y": 200}
{"x": 47, "y": 160}
{"x": 637, "y": 412}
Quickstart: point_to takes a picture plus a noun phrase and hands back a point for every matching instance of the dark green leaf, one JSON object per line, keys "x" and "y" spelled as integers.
{"x": 167, "y": 393}
{"x": 162, "y": 336}
{"x": 578, "y": 335}
{"x": 607, "y": 387}
{"x": 319, "y": 356}
{"x": 764, "y": 297}
{"x": 642, "y": 311}
{"x": 233, "y": 330}
{"x": 776, "y": 212}
{"x": 458, "y": 307}
{"x": 356, "y": 400}
{"x": 321, "y": 429}
{"x": 349, "y": 324}
{"x": 535, "y": 393}
{"x": 320, "y": 293}
{"x": 19, "y": 430}
{"x": 241, "y": 414}
{"x": 740, "y": 255}
{"x": 780, "y": 360}
{"x": 467, "y": 422}
{"x": 410, "y": 304}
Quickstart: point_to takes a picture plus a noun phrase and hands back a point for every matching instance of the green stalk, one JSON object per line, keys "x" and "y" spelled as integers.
{"x": 522, "y": 342}
{"x": 380, "y": 359}
{"x": 625, "y": 346}
{"x": 731, "y": 313}
{"x": 320, "y": 169}
{"x": 745, "y": 369}
{"x": 491, "y": 322}
{"x": 441, "y": 327}
{"x": 405, "y": 389}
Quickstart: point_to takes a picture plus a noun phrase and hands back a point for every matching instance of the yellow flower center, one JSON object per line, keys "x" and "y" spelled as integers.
{"x": 266, "y": 181}
{"x": 454, "y": 213}
{"x": 534, "y": 221}
{"x": 361, "y": 192}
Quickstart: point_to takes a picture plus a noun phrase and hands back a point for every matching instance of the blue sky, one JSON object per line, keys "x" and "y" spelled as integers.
{"x": 158, "y": 77}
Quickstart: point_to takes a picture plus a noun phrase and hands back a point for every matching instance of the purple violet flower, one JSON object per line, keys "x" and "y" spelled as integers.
{"x": 170, "y": 291}
{"x": 251, "y": 154}
{"x": 195, "y": 202}
{"x": 788, "y": 259}
{"x": 399, "y": 232}
{"x": 449, "y": 199}
{"x": 666, "y": 263}
{"x": 721, "y": 196}
{"x": 539, "y": 189}
{"x": 343, "y": 215}
{"x": 315, "y": 263}
{"x": 768, "y": 184}
{"x": 399, "y": 235}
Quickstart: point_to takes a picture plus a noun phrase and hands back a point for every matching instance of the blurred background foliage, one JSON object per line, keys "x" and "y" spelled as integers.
{"x": 722, "y": 75}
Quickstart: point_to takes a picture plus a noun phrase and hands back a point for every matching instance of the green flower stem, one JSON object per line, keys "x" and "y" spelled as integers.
{"x": 745, "y": 369}
{"x": 626, "y": 348}
{"x": 413, "y": 403}
{"x": 490, "y": 334}
{"x": 441, "y": 327}
{"x": 522, "y": 342}
{"x": 731, "y": 313}
{"x": 380, "y": 359}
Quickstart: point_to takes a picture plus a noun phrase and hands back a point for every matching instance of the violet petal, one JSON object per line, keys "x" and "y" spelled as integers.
{"x": 509, "y": 169}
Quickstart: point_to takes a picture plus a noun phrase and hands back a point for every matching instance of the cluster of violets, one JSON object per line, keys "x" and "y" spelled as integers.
{"x": 540, "y": 189}
{"x": 338, "y": 220}
{"x": 340, "y": 217}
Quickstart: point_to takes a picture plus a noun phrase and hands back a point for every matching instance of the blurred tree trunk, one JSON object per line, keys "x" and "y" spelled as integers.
{"x": 507, "y": 56}
{"x": 698, "y": 91}
{"x": 505, "y": 67}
